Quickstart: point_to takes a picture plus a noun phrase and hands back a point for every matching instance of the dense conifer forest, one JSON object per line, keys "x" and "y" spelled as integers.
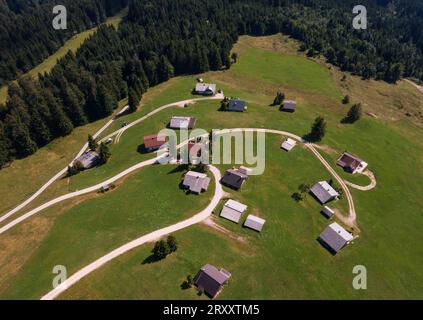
{"x": 27, "y": 36}
{"x": 163, "y": 38}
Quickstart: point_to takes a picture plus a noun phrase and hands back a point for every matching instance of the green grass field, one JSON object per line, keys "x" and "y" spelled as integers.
{"x": 93, "y": 228}
{"x": 72, "y": 44}
{"x": 283, "y": 262}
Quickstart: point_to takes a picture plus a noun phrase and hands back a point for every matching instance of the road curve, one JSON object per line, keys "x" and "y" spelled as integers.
{"x": 370, "y": 186}
{"x": 76, "y": 193}
{"x": 117, "y": 133}
{"x": 204, "y": 214}
{"x": 60, "y": 173}
{"x": 197, "y": 218}
{"x": 351, "y": 219}
{"x": 182, "y": 103}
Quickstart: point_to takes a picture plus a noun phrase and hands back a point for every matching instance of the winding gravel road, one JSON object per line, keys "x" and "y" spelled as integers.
{"x": 197, "y": 218}
{"x": 155, "y": 235}
{"x": 117, "y": 133}
{"x": 204, "y": 214}
{"x": 181, "y": 104}
{"x": 61, "y": 172}
{"x": 370, "y": 186}
{"x": 352, "y": 216}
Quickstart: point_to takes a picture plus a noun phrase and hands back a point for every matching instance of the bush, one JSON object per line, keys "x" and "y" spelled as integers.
{"x": 172, "y": 243}
{"x": 161, "y": 250}
{"x": 297, "y": 196}
{"x": 346, "y": 99}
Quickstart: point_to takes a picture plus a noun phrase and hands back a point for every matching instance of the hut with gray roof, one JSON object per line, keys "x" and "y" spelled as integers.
{"x": 88, "y": 159}
{"x": 323, "y": 192}
{"x": 196, "y": 182}
{"x": 254, "y": 222}
{"x": 182, "y": 123}
{"x": 234, "y": 179}
{"x": 236, "y": 105}
{"x": 211, "y": 280}
{"x": 335, "y": 237}
{"x": 233, "y": 210}
{"x": 288, "y": 106}
{"x": 205, "y": 89}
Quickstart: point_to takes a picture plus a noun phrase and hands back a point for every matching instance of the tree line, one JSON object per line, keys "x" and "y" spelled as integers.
{"x": 163, "y": 38}
{"x": 27, "y": 36}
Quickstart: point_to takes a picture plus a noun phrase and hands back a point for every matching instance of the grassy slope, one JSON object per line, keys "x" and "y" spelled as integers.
{"x": 284, "y": 261}
{"x": 50, "y": 159}
{"x": 72, "y": 44}
{"x": 93, "y": 228}
{"x": 41, "y": 166}
{"x": 388, "y": 217}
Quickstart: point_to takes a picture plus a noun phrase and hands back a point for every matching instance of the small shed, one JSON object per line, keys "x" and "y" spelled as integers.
{"x": 254, "y": 222}
{"x": 233, "y": 210}
{"x": 328, "y": 212}
{"x": 288, "y": 106}
{"x": 288, "y": 144}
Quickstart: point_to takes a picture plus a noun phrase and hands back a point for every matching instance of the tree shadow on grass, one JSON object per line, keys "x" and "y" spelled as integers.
{"x": 151, "y": 259}
{"x": 179, "y": 168}
{"x": 142, "y": 149}
{"x": 347, "y": 120}
{"x": 310, "y": 138}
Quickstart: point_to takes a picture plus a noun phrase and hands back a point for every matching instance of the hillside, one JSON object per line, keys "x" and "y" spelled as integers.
{"x": 283, "y": 262}
{"x": 163, "y": 39}
{"x": 72, "y": 44}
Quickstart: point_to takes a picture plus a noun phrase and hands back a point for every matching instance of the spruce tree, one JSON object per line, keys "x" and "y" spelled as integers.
{"x": 165, "y": 69}
{"x": 104, "y": 153}
{"x": 92, "y": 143}
{"x": 59, "y": 121}
{"x": 73, "y": 106}
{"x": 4, "y": 146}
{"x": 19, "y": 136}
{"x": 318, "y": 129}
{"x": 354, "y": 114}
{"x": 214, "y": 58}
{"x": 106, "y": 100}
{"x": 280, "y": 97}
{"x": 133, "y": 100}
